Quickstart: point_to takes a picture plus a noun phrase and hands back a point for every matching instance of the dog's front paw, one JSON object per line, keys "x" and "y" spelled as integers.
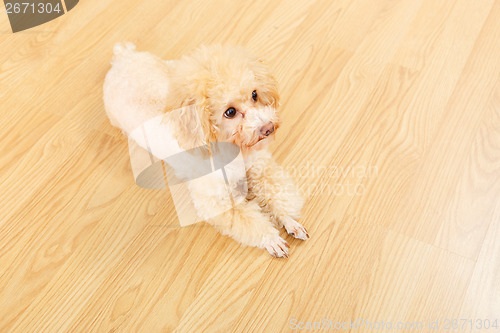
{"x": 295, "y": 229}
{"x": 277, "y": 247}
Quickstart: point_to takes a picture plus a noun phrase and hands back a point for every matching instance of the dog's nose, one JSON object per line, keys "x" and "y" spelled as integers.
{"x": 267, "y": 129}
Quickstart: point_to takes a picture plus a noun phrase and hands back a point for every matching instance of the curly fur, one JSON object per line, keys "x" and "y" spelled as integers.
{"x": 191, "y": 95}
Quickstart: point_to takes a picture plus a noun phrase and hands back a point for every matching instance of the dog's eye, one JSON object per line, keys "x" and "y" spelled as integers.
{"x": 230, "y": 113}
{"x": 254, "y": 95}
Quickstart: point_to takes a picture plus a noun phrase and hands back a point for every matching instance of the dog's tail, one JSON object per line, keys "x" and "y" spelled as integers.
{"x": 123, "y": 47}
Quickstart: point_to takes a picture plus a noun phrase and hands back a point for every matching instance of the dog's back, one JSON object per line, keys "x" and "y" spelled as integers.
{"x": 135, "y": 88}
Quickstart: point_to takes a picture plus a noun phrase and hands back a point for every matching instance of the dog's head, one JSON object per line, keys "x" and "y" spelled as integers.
{"x": 232, "y": 93}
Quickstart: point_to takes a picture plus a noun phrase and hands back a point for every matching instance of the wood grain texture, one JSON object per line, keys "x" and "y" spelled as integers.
{"x": 391, "y": 117}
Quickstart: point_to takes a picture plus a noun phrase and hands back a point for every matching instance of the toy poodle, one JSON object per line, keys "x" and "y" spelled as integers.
{"x": 215, "y": 94}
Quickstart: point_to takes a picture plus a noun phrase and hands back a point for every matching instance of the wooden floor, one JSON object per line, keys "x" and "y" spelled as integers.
{"x": 391, "y": 113}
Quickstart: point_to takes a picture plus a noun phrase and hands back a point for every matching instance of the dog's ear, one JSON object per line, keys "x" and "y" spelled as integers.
{"x": 268, "y": 86}
{"x": 189, "y": 115}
